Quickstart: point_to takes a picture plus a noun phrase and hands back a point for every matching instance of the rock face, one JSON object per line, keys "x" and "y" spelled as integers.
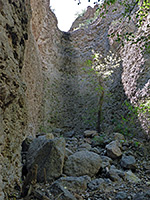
{"x": 71, "y": 98}
{"x": 48, "y": 155}
{"x": 83, "y": 163}
{"x": 21, "y": 86}
{"x": 33, "y": 78}
{"x": 14, "y": 26}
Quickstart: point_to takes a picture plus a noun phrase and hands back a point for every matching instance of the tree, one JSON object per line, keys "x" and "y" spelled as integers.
{"x": 79, "y": 1}
{"x": 141, "y": 15}
{"x": 103, "y": 67}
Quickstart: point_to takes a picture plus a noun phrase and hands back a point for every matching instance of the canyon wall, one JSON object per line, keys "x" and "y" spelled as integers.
{"x": 71, "y": 88}
{"x": 20, "y": 89}
{"x": 46, "y": 81}
{"x": 14, "y": 17}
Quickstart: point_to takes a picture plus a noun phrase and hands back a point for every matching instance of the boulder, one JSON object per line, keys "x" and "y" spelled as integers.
{"x": 128, "y": 162}
{"x": 48, "y": 155}
{"x": 74, "y": 183}
{"x": 83, "y": 163}
{"x": 113, "y": 150}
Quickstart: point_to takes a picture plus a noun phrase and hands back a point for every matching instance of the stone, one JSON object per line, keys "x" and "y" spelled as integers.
{"x": 121, "y": 196}
{"x": 25, "y": 146}
{"x": 61, "y": 193}
{"x": 146, "y": 166}
{"x": 90, "y": 133}
{"x": 106, "y": 161}
{"x": 49, "y": 136}
{"x": 83, "y": 163}
{"x": 142, "y": 196}
{"x": 69, "y": 134}
{"x": 26, "y": 143}
{"x": 97, "y": 184}
{"x": 129, "y": 176}
{"x": 114, "y": 174}
{"x": 85, "y": 146}
{"x": 74, "y": 183}
{"x": 95, "y": 150}
{"x": 119, "y": 137}
{"x": 48, "y": 155}
{"x": 113, "y": 150}
{"x": 68, "y": 153}
{"x": 148, "y": 183}
{"x": 128, "y": 162}
{"x": 40, "y": 194}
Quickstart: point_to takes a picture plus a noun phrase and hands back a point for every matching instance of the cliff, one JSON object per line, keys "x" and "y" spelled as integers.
{"x": 21, "y": 86}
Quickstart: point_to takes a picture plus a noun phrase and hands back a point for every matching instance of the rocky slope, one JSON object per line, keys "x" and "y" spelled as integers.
{"x": 88, "y": 167}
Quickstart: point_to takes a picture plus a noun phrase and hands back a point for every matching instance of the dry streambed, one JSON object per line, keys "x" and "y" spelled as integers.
{"x": 90, "y": 167}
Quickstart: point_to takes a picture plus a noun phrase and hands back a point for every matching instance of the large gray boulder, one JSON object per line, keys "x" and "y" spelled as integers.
{"x": 48, "y": 155}
{"x": 83, "y": 163}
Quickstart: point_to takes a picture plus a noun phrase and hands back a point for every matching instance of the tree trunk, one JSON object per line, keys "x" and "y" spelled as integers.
{"x": 100, "y": 104}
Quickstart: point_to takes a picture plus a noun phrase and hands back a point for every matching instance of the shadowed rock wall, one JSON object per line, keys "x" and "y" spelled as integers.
{"x": 20, "y": 89}
{"x": 14, "y": 18}
{"x": 71, "y": 99}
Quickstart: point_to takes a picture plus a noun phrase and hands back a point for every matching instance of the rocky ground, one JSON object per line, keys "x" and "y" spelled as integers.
{"x": 91, "y": 167}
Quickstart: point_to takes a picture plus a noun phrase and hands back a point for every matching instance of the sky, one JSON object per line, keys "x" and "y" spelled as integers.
{"x": 65, "y": 11}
